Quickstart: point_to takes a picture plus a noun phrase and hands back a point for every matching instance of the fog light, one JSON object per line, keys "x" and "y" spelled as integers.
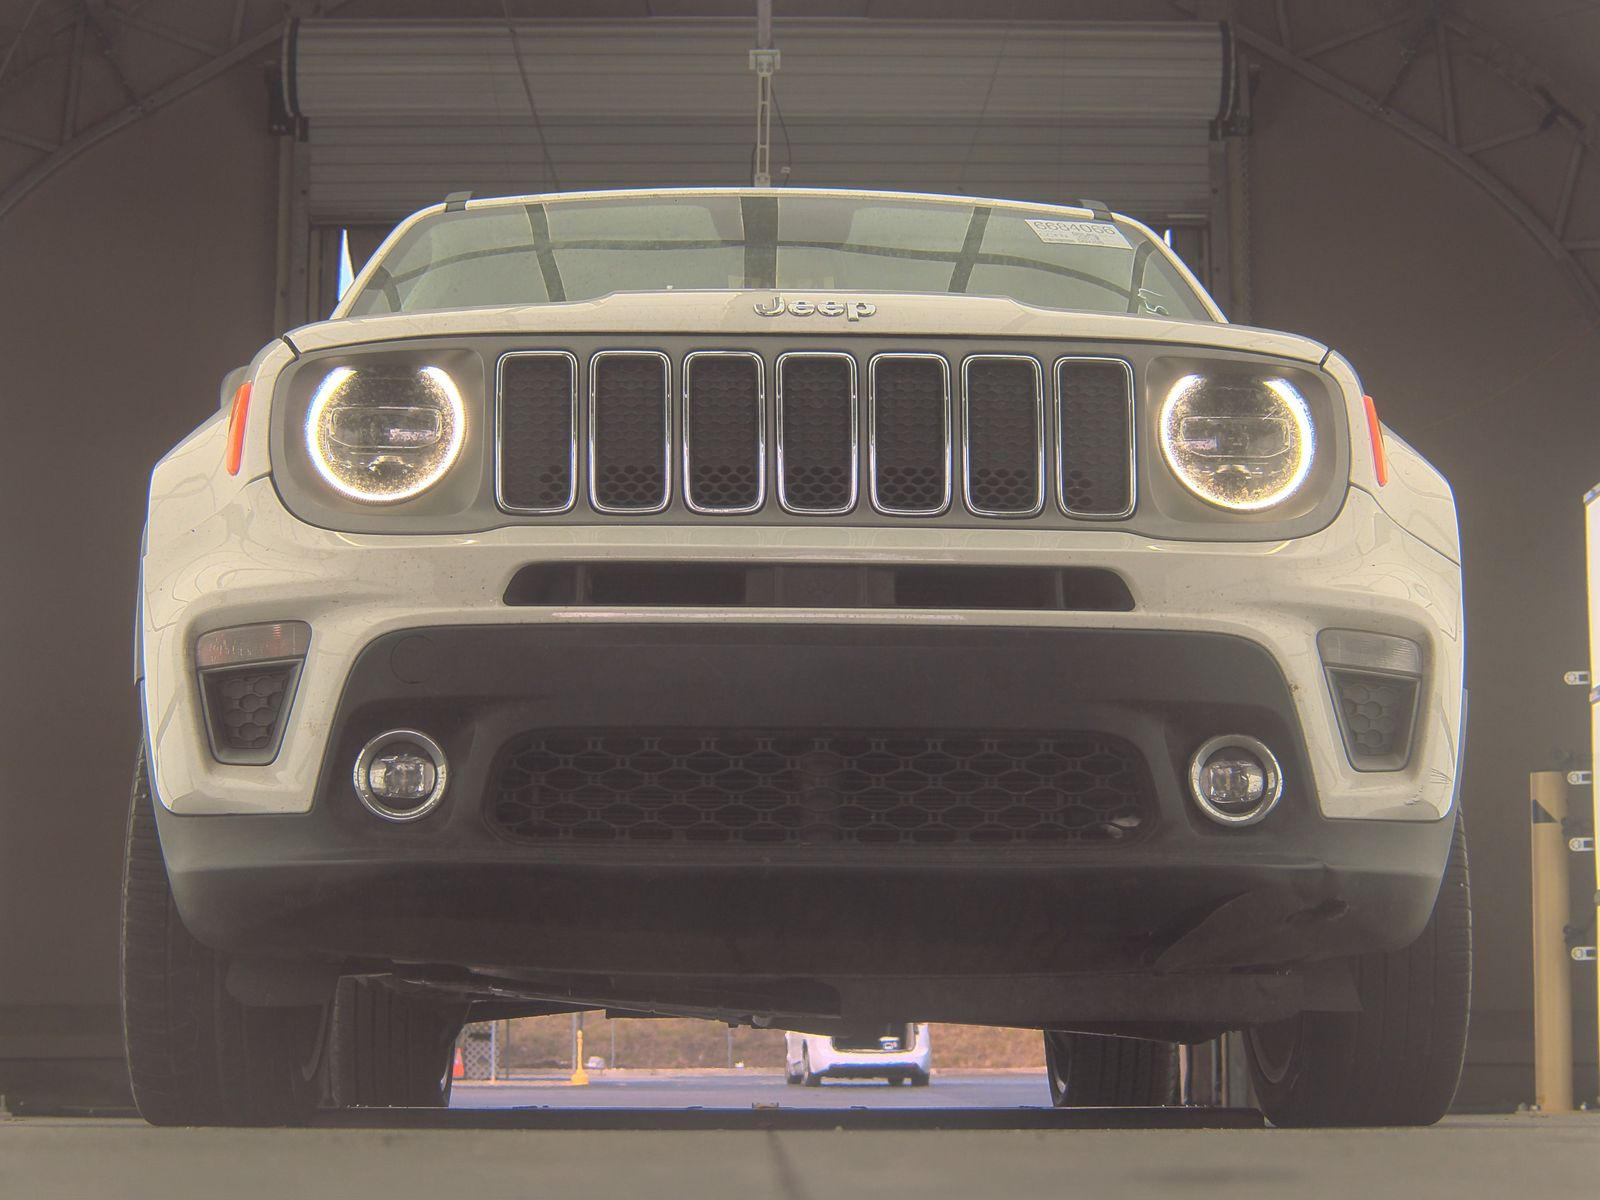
{"x": 1235, "y": 780}
{"x": 401, "y": 775}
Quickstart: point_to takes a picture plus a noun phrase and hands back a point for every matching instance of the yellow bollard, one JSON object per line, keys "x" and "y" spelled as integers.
{"x": 1552, "y": 909}
{"x": 580, "y": 1076}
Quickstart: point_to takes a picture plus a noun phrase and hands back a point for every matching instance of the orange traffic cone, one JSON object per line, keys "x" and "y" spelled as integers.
{"x": 459, "y": 1069}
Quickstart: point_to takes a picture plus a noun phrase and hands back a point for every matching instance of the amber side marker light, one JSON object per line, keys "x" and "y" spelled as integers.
{"x": 1380, "y": 460}
{"x": 236, "y": 416}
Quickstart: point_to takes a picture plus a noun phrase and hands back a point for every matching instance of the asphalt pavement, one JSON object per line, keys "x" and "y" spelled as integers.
{"x": 747, "y": 1089}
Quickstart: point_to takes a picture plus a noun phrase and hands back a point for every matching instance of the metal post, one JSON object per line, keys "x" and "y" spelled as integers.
{"x": 494, "y": 1050}
{"x": 1592, "y": 524}
{"x": 1552, "y": 988}
{"x": 580, "y": 1076}
{"x": 764, "y": 60}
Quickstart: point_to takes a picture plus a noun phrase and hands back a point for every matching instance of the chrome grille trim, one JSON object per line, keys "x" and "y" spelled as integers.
{"x": 872, "y": 433}
{"x": 499, "y": 430}
{"x": 761, "y": 431}
{"x": 855, "y": 432}
{"x": 1061, "y": 447}
{"x": 966, "y": 435}
{"x": 666, "y": 420}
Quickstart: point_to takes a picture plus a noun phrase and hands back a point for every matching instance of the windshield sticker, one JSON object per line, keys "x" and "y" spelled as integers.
{"x": 1079, "y": 233}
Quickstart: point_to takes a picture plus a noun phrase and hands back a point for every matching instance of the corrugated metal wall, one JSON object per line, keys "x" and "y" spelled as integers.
{"x": 400, "y": 113}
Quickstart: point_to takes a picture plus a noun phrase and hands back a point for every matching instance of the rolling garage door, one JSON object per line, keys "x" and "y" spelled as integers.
{"x": 400, "y": 113}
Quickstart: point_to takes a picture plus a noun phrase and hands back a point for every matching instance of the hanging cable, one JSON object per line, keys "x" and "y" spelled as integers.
{"x": 527, "y": 90}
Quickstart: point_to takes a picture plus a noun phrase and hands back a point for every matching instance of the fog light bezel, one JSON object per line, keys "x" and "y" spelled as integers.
{"x": 1270, "y": 765}
{"x": 380, "y": 808}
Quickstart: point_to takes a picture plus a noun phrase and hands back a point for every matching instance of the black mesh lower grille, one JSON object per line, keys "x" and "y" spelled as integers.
{"x": 818, "y": 431}
{"x": 1003, "y": 435}
{"x": 1096, "y": 400}
{"x": 910, "y": 409}
{"x": 630, "y": 431}
{"x": 722, "y": 422}
{"x": 536, "y": 403}
{"x": 822, "y": 788}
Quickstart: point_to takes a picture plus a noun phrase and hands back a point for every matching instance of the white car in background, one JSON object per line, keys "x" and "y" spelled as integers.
{"x": 898, "y": 1053}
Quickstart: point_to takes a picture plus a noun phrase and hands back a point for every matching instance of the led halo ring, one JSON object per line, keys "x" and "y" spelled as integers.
{"x": 1304, "y": 444}
{"x": 329, "y": 390}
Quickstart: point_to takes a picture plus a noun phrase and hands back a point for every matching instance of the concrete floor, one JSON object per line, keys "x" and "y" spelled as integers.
{"x": 1530, "y": 1158}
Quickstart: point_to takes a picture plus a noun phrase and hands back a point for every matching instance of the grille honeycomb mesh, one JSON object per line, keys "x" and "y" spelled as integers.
{"x": 723, "y": 425}
{"x": 822, "y": 788}
{"x": 246, "y": 705}
{"x": 1376, "y": 711}
{"x": 1095, "y": 406}
{"x": 1003, "y": 435}
{"x": 630, "y": 433}
{"x": 908, "y": 423}
{"x": 818, "y": 428}
{"x": 536, "y": 432}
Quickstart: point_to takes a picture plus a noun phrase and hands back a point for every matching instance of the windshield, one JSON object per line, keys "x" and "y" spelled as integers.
{"x": 564, "y": 250}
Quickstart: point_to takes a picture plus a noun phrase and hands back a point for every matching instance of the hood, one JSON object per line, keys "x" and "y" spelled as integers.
{"x": 739, "y": 313}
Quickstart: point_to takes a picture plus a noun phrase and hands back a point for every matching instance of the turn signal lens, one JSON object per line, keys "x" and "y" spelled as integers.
{"x": 1241, "y": 444}
{"x": 382, "y": 434}
{"x": 236, "y": 417}
{"x": 1380, "y": 457}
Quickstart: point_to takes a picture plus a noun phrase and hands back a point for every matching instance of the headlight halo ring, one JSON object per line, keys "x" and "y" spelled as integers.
{"x": 1301, "y": 442}
{"x": 448, "y": 402}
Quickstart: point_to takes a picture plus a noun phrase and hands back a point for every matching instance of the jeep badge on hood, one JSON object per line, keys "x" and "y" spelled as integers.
{"x": 854, "y": 310}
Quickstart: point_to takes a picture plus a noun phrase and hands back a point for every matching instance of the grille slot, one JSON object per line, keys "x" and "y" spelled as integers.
{"x": 1095, "y": 468}
{"x": 817, "y": 449}
{"x": 910, "y": 434}
{"x": 724, "y": 431}
{"x": 537, "y": 442}
{"x": 822, "y": 788}
{"x": 630, "y": 401}
{"x": 1004, "y": 435}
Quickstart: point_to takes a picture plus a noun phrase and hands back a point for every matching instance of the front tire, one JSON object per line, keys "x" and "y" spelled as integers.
{"x": 197, "y": 1056}
{"x": 1087, "y": 1070}
{"x": 391, "y": 1049}
{"x": 1398, "y": 1060}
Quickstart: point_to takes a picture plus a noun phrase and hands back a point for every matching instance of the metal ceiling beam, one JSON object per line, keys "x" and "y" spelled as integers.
{"x": 1548, "y": 234}
{"x": 74, "y": 144}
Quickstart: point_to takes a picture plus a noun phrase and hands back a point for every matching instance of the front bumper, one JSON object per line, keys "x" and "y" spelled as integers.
{"x": 452, "y": 889}
{"x": 254, "y": 562}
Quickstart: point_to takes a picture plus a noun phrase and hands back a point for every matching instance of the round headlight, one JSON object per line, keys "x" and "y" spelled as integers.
{"x": 1241, "y": 444}
{"x": 382, "y": 434}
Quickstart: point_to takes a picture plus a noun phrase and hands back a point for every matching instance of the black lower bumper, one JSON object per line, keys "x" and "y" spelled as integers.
{"x": 453, "y": 893}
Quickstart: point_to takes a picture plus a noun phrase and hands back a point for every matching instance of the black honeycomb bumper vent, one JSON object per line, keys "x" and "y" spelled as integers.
{"x": 724, "y": 438}
{"x": 538, "y": 409}
{"x": 1095, "y": 473}
{"x": 1377, "y": 713}
{"x": 822, "y": 789}
{"x": 629, "y": 431}
{"x": 244, "y": 709}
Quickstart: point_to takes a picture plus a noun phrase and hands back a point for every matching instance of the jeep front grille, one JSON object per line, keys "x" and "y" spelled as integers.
{"x": 822, "y": 788}
{"x": 903, "y": 433}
